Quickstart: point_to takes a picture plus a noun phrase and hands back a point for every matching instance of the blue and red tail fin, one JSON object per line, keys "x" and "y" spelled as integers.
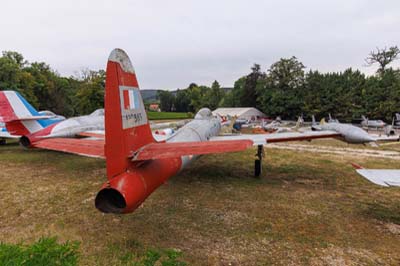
{"x": 20, "y": 117}
{"x": 126, "y": 125}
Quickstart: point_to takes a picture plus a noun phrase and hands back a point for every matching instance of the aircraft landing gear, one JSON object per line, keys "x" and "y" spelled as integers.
{"x": 3, "y": 142}
{"x": 258, "y": 161}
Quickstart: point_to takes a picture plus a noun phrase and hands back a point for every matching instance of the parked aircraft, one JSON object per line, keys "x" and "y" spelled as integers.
{"x": 382, "y": 177}
{"x": 71, "y": 127}
{"x": 397, "y": 120}
{"x": 18, "y": 117}
{"x": 277, "y": 126}
{"x": 372, "y": 123}
{"x": 332, "y": 120}
{"x": 137, "y": 164}
{"x": 390, "y": 130}
{"x": 350, "y": 133}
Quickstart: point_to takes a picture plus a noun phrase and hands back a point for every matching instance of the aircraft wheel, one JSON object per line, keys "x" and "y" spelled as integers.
{"x": 257, "y": 168}
{"x": 3, "y": 142}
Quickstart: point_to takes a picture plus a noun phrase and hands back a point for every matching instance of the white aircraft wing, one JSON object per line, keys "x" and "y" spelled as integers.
{"x": 261, "y": 139}
{"x": 173, "y": 124}
{"x": 382, "y": 177}
{"x": 386, "y": 138}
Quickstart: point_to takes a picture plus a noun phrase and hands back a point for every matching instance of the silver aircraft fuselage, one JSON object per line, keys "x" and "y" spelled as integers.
{"x": 350, "y": 133}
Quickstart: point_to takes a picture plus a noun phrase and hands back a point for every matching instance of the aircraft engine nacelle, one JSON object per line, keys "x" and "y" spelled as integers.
{"x": 125, "y": 192}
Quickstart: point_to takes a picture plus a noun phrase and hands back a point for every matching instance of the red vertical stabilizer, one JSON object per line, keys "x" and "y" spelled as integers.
{"x": 127, "y": 130}
{"x": 126, "y": 125}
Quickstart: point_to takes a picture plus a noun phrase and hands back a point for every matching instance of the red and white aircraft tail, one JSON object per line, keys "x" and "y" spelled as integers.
{"x": 127, "y": 129}
{"x": 126, "y": 125}
{"x": 19, "y": 116}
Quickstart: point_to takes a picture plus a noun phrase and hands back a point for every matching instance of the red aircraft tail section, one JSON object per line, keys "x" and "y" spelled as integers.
{"x": 126, "y": 124}
{"x": 126, "y": 131}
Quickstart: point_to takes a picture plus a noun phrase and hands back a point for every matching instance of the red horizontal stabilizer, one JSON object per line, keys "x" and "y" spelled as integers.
{"x": 356, "y": 166}
{"x": 85, "y": 147}
{"x": 178, "y": 149}
{"x": 91, "y": 134}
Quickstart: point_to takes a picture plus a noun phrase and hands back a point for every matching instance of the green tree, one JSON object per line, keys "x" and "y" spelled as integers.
{"x": 213, "y": 96}
{"x": 167, "y": 100}
{"x": 90, "y": 93}
{"x": 182, "y": 101}
{"x": 281, "y": 91}
{"x": 249, "y": 94}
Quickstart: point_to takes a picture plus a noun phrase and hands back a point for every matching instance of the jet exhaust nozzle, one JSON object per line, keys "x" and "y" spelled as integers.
{"x": 125, "y": 192}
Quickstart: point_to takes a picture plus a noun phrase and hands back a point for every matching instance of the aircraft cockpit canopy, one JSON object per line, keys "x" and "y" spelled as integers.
{"x": 203, "y": 113}
{"x": 98, "y": 112}
{"x": 47, "y": 113}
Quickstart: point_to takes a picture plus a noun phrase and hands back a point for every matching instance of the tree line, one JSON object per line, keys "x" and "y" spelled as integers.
{"x": 45, "y": 89}
{"x": 285, "y": 89}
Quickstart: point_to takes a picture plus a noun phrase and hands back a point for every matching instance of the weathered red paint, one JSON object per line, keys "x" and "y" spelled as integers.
{"x": 37, "y": 136}
{"x": 93, "y": 148}
{"x": 137, "y": 183}
{"x": 178, "y": 149}
{"x": 6, "y": 111}
{"x": 120, "y": 142}
{"x": 16, "y": 127}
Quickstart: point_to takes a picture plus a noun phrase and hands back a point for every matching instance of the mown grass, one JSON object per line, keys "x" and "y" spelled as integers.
{"x": 167, "y": 115}
{"x": 307, "y": 209}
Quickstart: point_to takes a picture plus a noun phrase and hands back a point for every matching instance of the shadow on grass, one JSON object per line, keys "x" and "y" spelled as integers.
{"x": 388, "y": 213}
{"x": 239, "y": 167}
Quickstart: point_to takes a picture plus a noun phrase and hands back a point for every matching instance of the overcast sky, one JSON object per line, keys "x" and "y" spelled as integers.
{"x": 172, "y": 43}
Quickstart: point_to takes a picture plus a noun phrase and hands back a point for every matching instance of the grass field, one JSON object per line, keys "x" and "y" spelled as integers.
{"x": 307, "y": 209}
{"x": 167, "y": 115}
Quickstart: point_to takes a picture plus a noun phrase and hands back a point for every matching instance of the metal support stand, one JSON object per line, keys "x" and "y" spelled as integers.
{"x": 258, "y": 161}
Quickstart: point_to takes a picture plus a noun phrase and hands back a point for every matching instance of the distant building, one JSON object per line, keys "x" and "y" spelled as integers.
{"x": 247, "y": 113}
{"x": 154, "y": 107}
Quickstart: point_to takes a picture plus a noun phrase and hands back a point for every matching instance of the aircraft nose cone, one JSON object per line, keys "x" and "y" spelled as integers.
{"x": 358, "y": 136}
{"x": 368, "y": 139}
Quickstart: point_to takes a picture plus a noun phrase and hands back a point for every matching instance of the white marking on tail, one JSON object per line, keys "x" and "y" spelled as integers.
{"x": 17, "y": 105}
{"x": 32, "y": 125}
{"x": 132, "y": 109}
{"x": 132, "y": 100}
{"x": 21, "y": 111}
{"x": 119, "y": 56}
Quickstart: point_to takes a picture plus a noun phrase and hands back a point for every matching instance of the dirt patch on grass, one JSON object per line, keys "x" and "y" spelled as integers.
{"x": 348, "y": 152}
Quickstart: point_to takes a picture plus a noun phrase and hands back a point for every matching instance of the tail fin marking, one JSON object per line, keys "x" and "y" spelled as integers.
{"x": 14, "y": 109}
